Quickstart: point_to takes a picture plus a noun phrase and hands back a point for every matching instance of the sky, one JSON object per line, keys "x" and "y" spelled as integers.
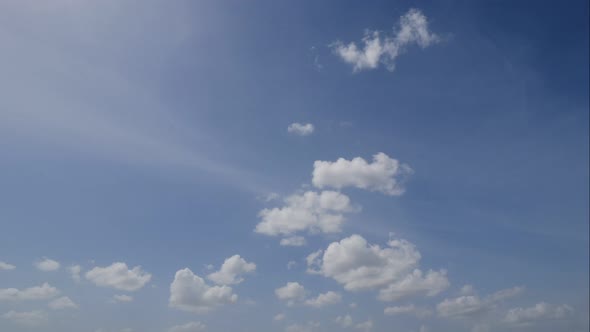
{"x": 296, "y": 166}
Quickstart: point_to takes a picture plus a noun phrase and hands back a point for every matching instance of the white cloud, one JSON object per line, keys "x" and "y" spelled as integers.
{"x": 42, "y": 292}
{"x": 301, "y": 129}
{"x": 310, "y": 211}
{"x": 291, "y": 292}
{"x": 188, "y": 327}
{"x": 407, "y": 310}
{"x": 279, "y": 317}
{"x": 293, "y": 241}
{"x": 6, "y": 266}
{"x": 472, "y": 305}
{"x": 189, "y": 292}
{"x": 119, "y": 276}
{"x": 75, "y": 272}
{"x": 384, "y": 174}
{"x": 357, "y": 265}
{"x": 413, "y": 29}
{"x": 231, "y": 270}
{"x": 344, "y": 321}
{"x": 63, "y": 302}
{"x": 122, "y": 298}
{"x": 365, "y": 326}
{"x": 324, "y": 299}
{"x": 467, "y": 290}
{"x": 291, "y": 265}
{"x": 540, "y": 312}
{"x": 47, "y": 265}
{"x": 27, "y": 318}
{"x": 308, "y": 327}
{"x": 415, "y": 283}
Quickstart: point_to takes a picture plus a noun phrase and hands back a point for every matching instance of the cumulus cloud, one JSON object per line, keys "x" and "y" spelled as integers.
{"x": 188, "y": 327}
{"x": 357, "y": 265}
{"x": 291, "y": 292}
{"x": 189, "y": 292}
{"x": 301, "y": 129}
{"x": 324, "y": 299}
{"x": 413, "y": 30}
{"x": 416, "y": 283}
{"x": 27, "y": 318}
{"x": 365, "y": 326}
{"x": 119, "y": 276}
{"x": 231, "y": 271}
{"x": 43, "y": 292}
{"x": 6, "y": 266}
{"x": 407, "y": 310}
{"x": 538, "y": 313}
{"x": 75, "y": 271}
{"x": 122, "y": 298}
{"x": 293, "y": 241}
{"x": 384, "y": 174}
{"x": 310, "y": 211}
{"x": 63, "y": 302}
{"x": 344, "y": 321}
{"x": 472, "y": 305}
{"x": 47, "y": 265}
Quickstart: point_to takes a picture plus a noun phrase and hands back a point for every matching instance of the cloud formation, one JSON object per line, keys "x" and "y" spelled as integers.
{"x": 63, "y": 302}
{"x": 119, "y": 276}
{"x": 47, "y": 265}
{"x": 413, "y": 29}
{"x": 384, "y": 174}
{"x": 231, "y": 271}
{"x": 407, "y": 310}
{"x": 188, "y": 327}
{"x": 301, "y": 129}
{"x": 291, "y": 292}
{"x": 416, "y": 283}
{"x": 6, "y": 266}
{"x": 189, "y": 292}
{"x": 43, "y": 292}
{"x": 472, "y": 305}
{"x": 324, "y": 299}
{"x": 538, "y": 313}
{"x": 33, "y": 318}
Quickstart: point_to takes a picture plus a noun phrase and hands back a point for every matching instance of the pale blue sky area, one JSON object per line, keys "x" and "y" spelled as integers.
{"x": 169, "y": 135}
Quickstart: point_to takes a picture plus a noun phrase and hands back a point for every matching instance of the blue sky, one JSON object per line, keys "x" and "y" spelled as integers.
{"x": 294, "y": 166}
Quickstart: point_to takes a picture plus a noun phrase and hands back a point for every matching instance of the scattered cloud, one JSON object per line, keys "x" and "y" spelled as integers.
{"x": 43, "y": 292}
{"x": 293, "y": 241}
{"x": 47, "y": 265}
{"x": 6, "y": 266}
{"x": 365, "y": 326}
{"x": 344, "y": 321}
{"x": 122, "y": 298}
{"x": 538, "y": 313}
{"x": 279, "y": 317}
{"x": 324, "y": 299}
{"x": 413, "y": 29}
{"x": 291, "y": 265}
{"x": 291, "y": 292}
{"x": 75, "y": 271}
{"x": 384, "y": 174}
{"x": 189, "y": 292}
{"x": 310, "y": 211}
{"x": 34, "y": 318}
{"x": 119, "y": 276}
{"x": 231, "y": 271}
{"x": 188, "y": 327}
{"x": 467, "y": 306}
{"x": 416, "y": 283}
{"x": 63, "y": 302}
{"x": 301, "y": 129}
{"x": 407, "y": 310}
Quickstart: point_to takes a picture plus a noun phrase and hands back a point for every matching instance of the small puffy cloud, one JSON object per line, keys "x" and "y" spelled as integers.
{"x": 539, "y": 313}
{"x": 119, "y": 276}
{"x": 279, "y": 317}
{"x": 188, "y": 327}
{"x": 189, "y": 292}
{"x": 300, "y": 129}
{"x": 413, "y": 29}
{"x": 416, "y": 283}
{"x": 324, "y": 299}
{"x": 63, "y": 302}
{"x": 6, "y": 266}
{"x": 122, "y": 298}
{"x": 47, "y": 265}
{"x": 231, "y": 271}
{"x": 365, "y": 326}
{"x": 384, "y": 174}
{"x": 344, "y": 321}
{"x": 75, "y": 271}
{"x": 472, "y": 305}
{"x": 357, "y": 265}
{"x": 291, "y": 292}
{"x": 34, "y": 318}
{"x": 293, "y": 241}
{"x": 310, "y": 211}
{"x": 42, "y": 292}
{"x": 407, "y": 310}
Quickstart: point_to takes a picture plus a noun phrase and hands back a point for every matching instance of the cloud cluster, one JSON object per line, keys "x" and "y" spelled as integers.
{"x": 413, "y": 29}
{"x": 293, "y": 293}
{"x": 63, "y": 302}
{"x": 189, "y": 292}
{"x": 538, "y": 313}
{"x": 231, "y": 271}
{"x": 6, "y": 266}
{"x": 301, "y": 129}
{"x": 384, "y": 174}
{"x": 43, "y": 292}
{"x": 119, "y": 276}
{"x": 33, "y": 318}
{"x": 467, "y": 306}
{"x": 407, "y": 310}
{"x": 47, "y": 265}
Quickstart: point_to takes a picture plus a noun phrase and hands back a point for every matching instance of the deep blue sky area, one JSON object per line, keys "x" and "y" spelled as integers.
{"x": 296, "y": 166}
